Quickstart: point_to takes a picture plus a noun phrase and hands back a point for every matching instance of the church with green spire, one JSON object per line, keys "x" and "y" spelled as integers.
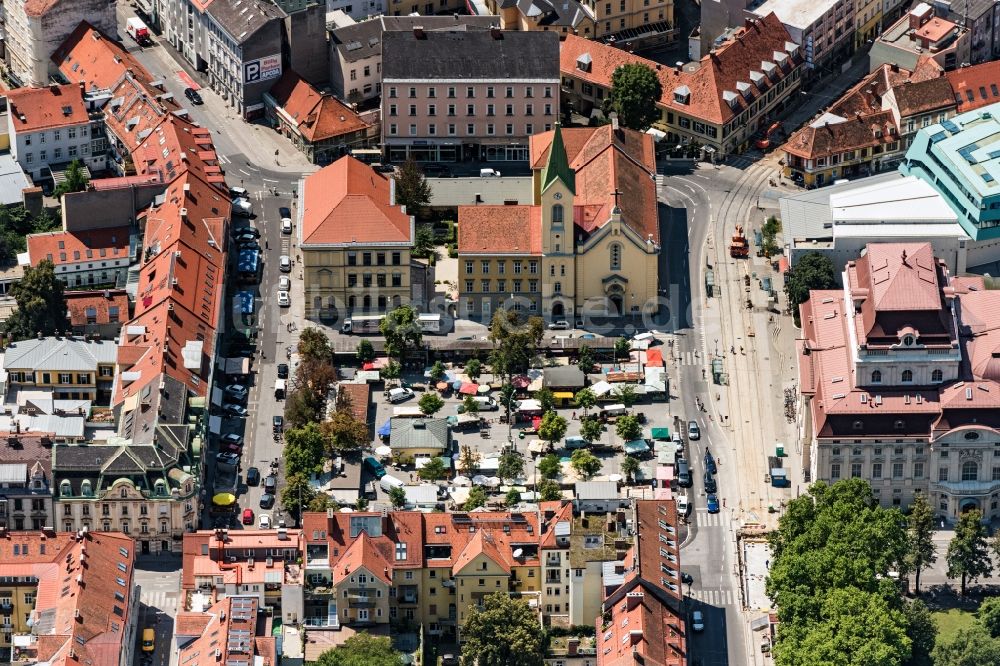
{"x": 588, "y": 244}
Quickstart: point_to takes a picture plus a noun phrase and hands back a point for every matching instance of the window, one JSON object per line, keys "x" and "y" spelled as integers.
{"x": 469, "y": 285}
{"x": 918, "y": 470}
{"x": 970, "y": 470}
{"x": 616, "y": 256}
{"x": 835, "y": 471}
{"x": 855, "y": 470}
{"x": 468, "y": 268}
{"x": 942, "y": 474}
{"x": 876, "y": 376}
{"x": 392, "y": 93}
{"x": 937, "y": 376}
{"x": 897, "y": 470}
{"x": 485, "y": 285}
{"x": 876, "y": 470}
{"x": 907, "y": 376}
{"x": 470, "y": 92}
{"x": 557, "y": 215}
{"x": 413, "y": 92}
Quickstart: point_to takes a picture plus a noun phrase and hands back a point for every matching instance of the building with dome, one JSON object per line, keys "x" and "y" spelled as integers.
{"x": 900, "y": 377}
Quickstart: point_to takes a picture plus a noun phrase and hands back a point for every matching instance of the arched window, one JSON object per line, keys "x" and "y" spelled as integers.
{"x": 557, "y": 215}
{"x": 124, "y": 493}
{"x": 160, "y": 487}
{"x": 937, "y": 376}
{"x": 876, "y": 376}
{"x": 616, "y": 257}
{"x": 85, "y": 488}
{"x": 557, "y": 287}
{"x": 65, "y": 488}
{"x": 907, "y": 376}
{"x": 970, "y": 470}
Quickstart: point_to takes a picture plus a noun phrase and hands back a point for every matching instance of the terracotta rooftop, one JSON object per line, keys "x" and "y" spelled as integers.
{"x": 66, "y": 247}
{"x": 934, "y": 30}
{"x": 975, "y": 86}
{"x": 99, "y": 304}
{"x": 51, "y": 107}
{"x": 316, "y": 115}
{"x": 349, "y": 202}
{"x": 232, "y": 626}
{"x": 500, "y": 230}
{"x": 91, "y": 57}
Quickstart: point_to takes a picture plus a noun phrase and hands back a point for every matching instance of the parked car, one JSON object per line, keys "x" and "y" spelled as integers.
{"x": 683, "y": 506}
{"x": 710, "y": 485}
{"x": 282, "y": 371}
{"x": 232, "y": 409}
{"x": 713, "y": 503}
{"x": 375, "y": 467}
{"x": 286, "y": 220}
{"x": 400, "y": 395}
{"x": 283, "y": 299}
{"x": 266, "y": 501}
{"x": 270, "y": 484}
{"x": 285, "y": 264}
{"x": 694, "y": 432}
{"x": 232, "y": 438}
{"x": 561, "y": 325}
{"x": 253, "y": 476}
{"x": 228, "y": 457}
{"x": 242, "y": 207}
{"x": 683, "y": 473}
{"x": 247, "y": 241}
{"x": 710, "y": 462}
{"x": 697, "y": 621}
{"x": 265, "y": 521}
{"x": 248, "y": 516}
{"x": 193, "y": 95}
{"x": 278, "y": 423}
{"x": 284, "y": 283}
{"x": 246, "y": 231}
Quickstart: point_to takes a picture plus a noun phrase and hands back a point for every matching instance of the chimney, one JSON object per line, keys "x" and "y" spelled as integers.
{"x": 496, "y": 33}
{"x": 678, "y": 66}
{"x": 894, "y": 67}
{"x": 418, "y": 32}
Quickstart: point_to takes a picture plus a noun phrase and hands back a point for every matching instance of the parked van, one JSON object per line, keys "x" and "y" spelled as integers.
{"x": 279, "y": 389}
{"x": 489, "y": 173}
{"x": 242, "y": 207}
{"x": 388, "y": 482}
{"x": 683, "y": 473}
{"x": 614, "y": 410}
{"x": 239, "y": 193}
{"x": 148, "y": 639}
{"x": 486, "y": 403}
{"x": 375, "y": 467}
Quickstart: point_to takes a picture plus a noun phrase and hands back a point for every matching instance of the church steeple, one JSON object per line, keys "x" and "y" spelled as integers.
{"x": 557, "y": 166}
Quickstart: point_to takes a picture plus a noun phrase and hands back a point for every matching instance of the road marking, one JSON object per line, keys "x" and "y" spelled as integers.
{"x": 268, "y": 180}
{"x": 245, "y": 173}
{"x": 690, "y": 184}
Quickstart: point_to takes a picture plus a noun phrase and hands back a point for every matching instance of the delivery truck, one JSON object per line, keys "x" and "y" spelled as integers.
{"x": 138, "y": 31}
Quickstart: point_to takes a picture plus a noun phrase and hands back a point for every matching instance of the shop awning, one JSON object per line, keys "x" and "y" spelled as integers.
{"x": 563, "y": 395}
{"x": 636, "y": 446}
{"x": 661, "y": 433}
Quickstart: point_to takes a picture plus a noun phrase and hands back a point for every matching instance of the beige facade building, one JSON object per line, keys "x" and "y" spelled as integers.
{"x": 355, "y": 241}
{"x": 589, "y": 244}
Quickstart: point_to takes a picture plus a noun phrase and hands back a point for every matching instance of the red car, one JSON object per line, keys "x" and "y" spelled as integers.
{"x": 248, "y": 516}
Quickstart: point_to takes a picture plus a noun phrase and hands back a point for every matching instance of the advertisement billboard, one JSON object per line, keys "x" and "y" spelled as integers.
{"x": 262, "y": 69}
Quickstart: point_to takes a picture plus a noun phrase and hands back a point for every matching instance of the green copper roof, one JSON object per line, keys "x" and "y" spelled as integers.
{"x": 557, "y": 165}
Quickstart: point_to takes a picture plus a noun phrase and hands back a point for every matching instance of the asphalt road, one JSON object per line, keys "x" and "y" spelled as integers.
{"x": 158, "y": 577}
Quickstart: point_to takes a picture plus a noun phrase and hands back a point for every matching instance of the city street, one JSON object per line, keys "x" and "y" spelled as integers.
{"x": 159, "y": 580}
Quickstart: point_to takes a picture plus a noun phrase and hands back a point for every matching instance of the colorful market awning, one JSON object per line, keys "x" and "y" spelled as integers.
{"x": 468, "y": 388}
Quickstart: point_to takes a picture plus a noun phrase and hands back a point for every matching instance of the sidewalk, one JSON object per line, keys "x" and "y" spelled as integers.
{"x": 823, "y": 92}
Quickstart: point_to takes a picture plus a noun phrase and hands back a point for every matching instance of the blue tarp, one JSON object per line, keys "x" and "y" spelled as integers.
{"x": 248, "y": 261}
{"x": 245, "y": 299}
{"x": 385, "y": 429}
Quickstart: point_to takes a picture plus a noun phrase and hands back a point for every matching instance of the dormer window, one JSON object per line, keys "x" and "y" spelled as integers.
{"x": 682, "y": 95}
{"x": 731, "y": 98}
{"x": 769, "y": 68}
{"x": 584, "y": 63}
{"x": 757, "y": 78}
{"x": 744, "y": 89}
{"x": 908, "y": 340}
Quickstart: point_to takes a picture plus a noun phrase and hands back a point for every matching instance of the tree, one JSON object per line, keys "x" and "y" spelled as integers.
{"x": 76, "y": 180}
{"x": 365, "y": 351}
{"x": 626, "y": 394}
{"x": 550, "y": 466}
{"x": 470, "y": 405}
{"x": 321, "y": 502}
{"x": 989, "y": 615}
{"x": 768, "y": 232}
{"x": 585, "y": 463}
{"x": 553, "y": 428}
{"x": 585, "y": 400}
{"x": 397, "y": 496}
{"x": 968, "y": 554}
{"x": 476, "y": 499}
{"x": 432, "y": 470}
{"x": 423, "y": 244}
{"x": 511, "y": 465}
{"x": 474, "y": 368}
{"x": 362, "y": 649}
{"x": 505, "y": 632}
{"x": 812, "y": 271}
{"x": 392, "y": 370}
{"x": 506, "y": 398}
{"x": 549, "y": 491}
{"x": 315, "y": 346}
{"x": 304, "y": 450}
{"x": 969, "y": 646}
{"x": 41, "y": 304}
{"x": 430, "y": 403}
{"x": 362, "y": 503}
{"x": 344, "y": 432}
{"x": 412, "y": 189}
{"x": 635, "y": 90}
{"x": 585, "y": 359}
{"x": 546, "y": 399}
{"x": 922, "y": 632}
{"x": 401, "y": 330}
{"x": 630, "y": 466}
{"x": 468, "y": 460}
{"x": 591, "y": 429}
{"x": 920, "y": 537}
{"x": 512, "y": 498}
{"x": 515, "y": 340}
{"x": 628, "y": 427}
{"x": 437, "y": 371}
{"x": 622, "y": 348}
{"x": 296, "y": 494}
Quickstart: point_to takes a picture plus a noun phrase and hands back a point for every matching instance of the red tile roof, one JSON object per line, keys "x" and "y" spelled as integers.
{"x": 500, "y": 230}
{"x": 975, "y": 86}
{"x": 349, "y": 202}
{"x": 360, "y": 397}
{"x": 732, "y": 62}
{"x": 51, "y": 107}
{"x": 80, "y": 302}
{"x": 362, "y": 554}
{"x": 316, "y": 115}
{"x": 232, "y": 626}
{"x": 73, "y": 247}
{"x": 91, "y": 57}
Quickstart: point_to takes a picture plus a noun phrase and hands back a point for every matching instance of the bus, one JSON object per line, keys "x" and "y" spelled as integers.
{"x": 367, "y": 155}
{"x": 362, "y": 325}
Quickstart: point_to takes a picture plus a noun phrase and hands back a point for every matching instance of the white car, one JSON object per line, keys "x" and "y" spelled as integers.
{"x": 238, "y": 390}
{"x": 286, "y": 226}
{"x": 265, "y": 521}
{"x": 285, "y": 264}
{"x": 682, "y": 505}
{"x": 561, "y": 325}
{"x": 400, "y": 395}
{"x": 697, "y": 621}
{"x": 242, "y": 207}
{"x": 284, "y": 283}
{"x": 283, "y": 299}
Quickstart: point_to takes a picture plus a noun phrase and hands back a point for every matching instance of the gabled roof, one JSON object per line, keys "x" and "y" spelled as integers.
{"x": 362, "y": 554}
{"x": 99, "y": 304}
{"x": 318, "y": 116}
{"x": 51, "y": 107}
{"x": 73, "y": 247}
{"x": 500, "y": 230}
{"x": 481, "y": 544}
{"x": 58, "y": 354}
{"x": 349, "y": 202}
{"x": 976, "y": 86}
{"x": 242, "y": 19}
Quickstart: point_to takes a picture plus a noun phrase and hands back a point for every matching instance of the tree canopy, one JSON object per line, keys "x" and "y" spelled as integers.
{"x": 41, "y": 304}
{"x": 968, "y": 552}
{"x": 430, "y": 403}
{"x": 635, "y": 90}
{"x": 550, "y": 467}
{"x": 476, "y": 498}
{"x": 920, "y": 538}
{"x": 553, "y": 427}
{"x": 506, "y": 632}
{"x": 76, "y": 180}
{"x": 585, "y": 463}
{"x": 401, "y": 330}
{"x": 412, "y": 189}
{"x": 515, "y": 340}
{"x": 812, "y": 271}
{"x": 344, "y": 432}
{"x": 362, "y": 649}
{"x": 628, "y": 427}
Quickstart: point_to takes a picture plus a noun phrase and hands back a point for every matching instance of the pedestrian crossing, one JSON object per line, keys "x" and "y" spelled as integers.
{"x": 703, "y": 518}
{"x": 716, "y": 597}
{"x": 161, "y": 600}
{"x": 690, "y": 358}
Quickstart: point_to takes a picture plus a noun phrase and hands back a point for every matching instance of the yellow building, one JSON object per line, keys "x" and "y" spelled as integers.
{"x": 642, "y": 19}
{"x": 589, "y": 244}
{"x": 867, "y": 21}
{"x": 355, "y": 241}
{"x": 71, "y": 368}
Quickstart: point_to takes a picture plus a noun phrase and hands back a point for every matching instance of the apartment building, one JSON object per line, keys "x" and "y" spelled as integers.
{"x": 87, "y": 613}
{"x": 898, "y": 375}
{"x": 642, "y": 24}
{"x": 867, "y": 21}
{"x": 982, "y": 19}
{"x": 356, "y": 49}
{"x": 484, "y": 105}
{"x": 71, "y": 368}
{"x": 26, "y": 490}
{"x": 919, "y": 35}
{"x": 536, "y": 258}
{"x": 355, "y": 241}
{"x": 869, "y": 129}
{"x": 720, "y": 105}
{"x": 233, "y": 630}
{"x": 50, "y": 127}
{"x": 825, "y": 30}
{"x": 571, "y": 17}
{"x": 94, "y": 259}
{"x": 98, "y": 314}
{"x": 34, "y": 29}
{"x": 975, "y": 86}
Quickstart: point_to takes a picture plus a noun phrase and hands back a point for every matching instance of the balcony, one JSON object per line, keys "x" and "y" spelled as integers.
{"x": 553, "y": 577}
{"x": 360, "y": 600}
{"x": 553, "y": 561}
{"x": 319, "y": 590}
